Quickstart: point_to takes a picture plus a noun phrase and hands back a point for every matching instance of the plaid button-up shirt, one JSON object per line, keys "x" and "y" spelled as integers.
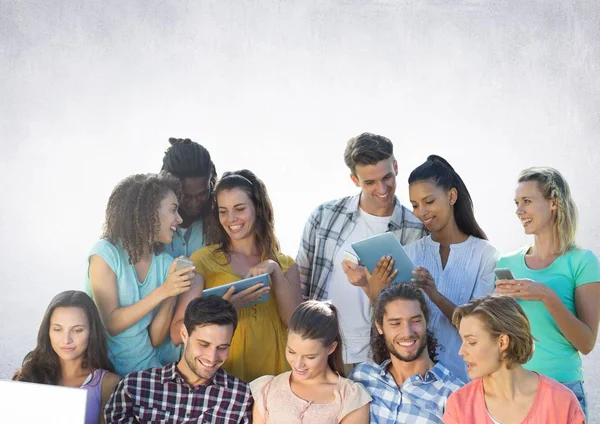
{"x": 162, "y": 395}
{"x": 326, "y": 231}
{"x": 420, "y": 400}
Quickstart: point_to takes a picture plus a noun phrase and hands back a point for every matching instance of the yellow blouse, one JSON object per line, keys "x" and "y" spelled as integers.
{"x": 258, "y": 345}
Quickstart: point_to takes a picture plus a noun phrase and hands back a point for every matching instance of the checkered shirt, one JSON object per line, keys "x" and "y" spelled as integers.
{"x": 327, "y": 229}
{"x": 162, "y": 395}
{"x": 420, "y": 400}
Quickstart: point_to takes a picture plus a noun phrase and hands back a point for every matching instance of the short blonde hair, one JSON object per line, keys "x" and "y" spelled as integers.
{"x": 554, "y": 186}
{"x": 501, "y": 315}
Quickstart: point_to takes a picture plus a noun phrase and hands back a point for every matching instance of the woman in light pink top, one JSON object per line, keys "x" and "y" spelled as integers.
{"x": 496, "y": 341}
{"x": 315, "y": 390}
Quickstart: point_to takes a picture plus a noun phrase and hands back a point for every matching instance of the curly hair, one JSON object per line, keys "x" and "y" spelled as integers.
{"x": 132, "y": 213}
{"x": 42, "y": 364}
{"x": 264, "y": 224}
{"x": 186, "y": 158}
{"x": 403, "y": 291}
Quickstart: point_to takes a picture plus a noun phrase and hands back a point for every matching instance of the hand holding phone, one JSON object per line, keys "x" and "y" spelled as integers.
{"x": 178, "y": 280}
{"x": 504, "y": 274}
{"x": 183, "y": 262}
{"x": 505, "y": 279}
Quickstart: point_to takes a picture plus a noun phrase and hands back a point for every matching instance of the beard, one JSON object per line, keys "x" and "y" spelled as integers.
{"x": 422, "y": 341}
{"x": 199, "y": 372}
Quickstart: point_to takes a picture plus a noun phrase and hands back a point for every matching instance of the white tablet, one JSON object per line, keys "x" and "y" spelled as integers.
{"x": 372, "y": 249}
{"x": 41, "y": 403}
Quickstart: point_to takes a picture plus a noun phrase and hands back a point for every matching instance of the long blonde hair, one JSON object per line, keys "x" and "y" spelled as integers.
{"x": 554, "y": 186}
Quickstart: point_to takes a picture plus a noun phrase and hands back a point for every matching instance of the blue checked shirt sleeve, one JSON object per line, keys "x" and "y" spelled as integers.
{"x": 306, "y": 252}
{"x": 368, "y": 375}
{"x": 119, "y": 407}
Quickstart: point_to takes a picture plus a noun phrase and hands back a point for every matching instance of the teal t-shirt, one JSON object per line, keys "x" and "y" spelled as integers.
{"x": 132, "y": 350}
{"x": 554, "y": 356}
{"x": 186, "y": 242}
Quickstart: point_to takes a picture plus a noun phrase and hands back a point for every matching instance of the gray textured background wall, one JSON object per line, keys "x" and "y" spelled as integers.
{"x": 90, "y": 92}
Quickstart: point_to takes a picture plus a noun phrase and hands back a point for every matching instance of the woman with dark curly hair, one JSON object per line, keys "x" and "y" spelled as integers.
{"x": 243, "y": 244}
{"x": 191, "y": 163}
{"x": 71, "y": 351}
{"x": 133, "y": 283}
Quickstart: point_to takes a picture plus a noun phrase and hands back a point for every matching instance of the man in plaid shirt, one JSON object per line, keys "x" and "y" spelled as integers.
{"x": 406, "y": 384}
{"x": 334, "y": 226}
{"x": 194, "y": 390}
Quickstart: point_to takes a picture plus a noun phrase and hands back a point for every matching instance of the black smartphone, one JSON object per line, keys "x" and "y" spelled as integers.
{"x": 504, "y": 274}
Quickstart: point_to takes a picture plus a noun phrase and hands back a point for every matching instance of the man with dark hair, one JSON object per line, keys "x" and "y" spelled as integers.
{"x": 406, "y": 384}
{"x": 191, "y": 163}
{"x": 195, "y": 389}
{"x": 334, "y": 226}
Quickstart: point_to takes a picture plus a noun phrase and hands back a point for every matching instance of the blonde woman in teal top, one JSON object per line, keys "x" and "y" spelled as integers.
{"x": 556, "y": 282}
{"x": 132, "y": 281}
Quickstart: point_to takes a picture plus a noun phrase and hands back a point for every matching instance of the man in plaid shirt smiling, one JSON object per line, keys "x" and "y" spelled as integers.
{"x": 334, "y": 226}
{"x": 194, "y": 390}
{"x": 406, "y": 385}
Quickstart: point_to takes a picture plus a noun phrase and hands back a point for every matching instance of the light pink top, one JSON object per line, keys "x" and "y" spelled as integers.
{"x": 277, "y": 403}
{"x": 553, "y": 404}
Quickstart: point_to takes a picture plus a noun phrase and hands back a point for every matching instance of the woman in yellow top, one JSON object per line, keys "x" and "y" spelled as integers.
{"x": 242, "y": 243}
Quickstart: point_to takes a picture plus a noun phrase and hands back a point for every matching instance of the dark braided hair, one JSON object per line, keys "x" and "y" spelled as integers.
{"x": 437, "y": 170}
{"x": 395, "y": 291}
{"x": 264, "y": 224}
{"x": 186, "y": 158}
{"x": 132, "y": 213}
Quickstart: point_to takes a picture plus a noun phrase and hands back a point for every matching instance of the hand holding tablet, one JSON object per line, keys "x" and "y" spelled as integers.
{"x": 247, "y": 292}
{"x": 373, "y": 249}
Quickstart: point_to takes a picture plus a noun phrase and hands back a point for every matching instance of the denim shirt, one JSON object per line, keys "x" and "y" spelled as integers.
{"x": 188, "y": 243}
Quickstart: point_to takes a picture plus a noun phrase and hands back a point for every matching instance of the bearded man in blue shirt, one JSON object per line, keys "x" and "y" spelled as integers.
{"x": 404, "y": 380}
